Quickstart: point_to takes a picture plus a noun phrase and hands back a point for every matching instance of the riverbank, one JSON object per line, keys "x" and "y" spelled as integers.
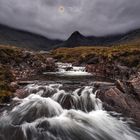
{"x": 116, "y": 62}
{"x": 18, "y": 64}
{"x": 120, "y": 64}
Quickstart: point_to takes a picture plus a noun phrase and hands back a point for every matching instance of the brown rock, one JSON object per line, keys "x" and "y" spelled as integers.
{"x": 14, "y": 86}
{"x": 120, "y": 85}
{"x": 122, "y": 99}
{"x": 114, "y": 98}
{"x": 21, "y": 93}
{"x": 135, "y": 86}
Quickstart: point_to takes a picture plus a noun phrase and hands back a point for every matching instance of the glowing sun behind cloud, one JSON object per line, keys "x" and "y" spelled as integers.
{"x": 61, "y": 9}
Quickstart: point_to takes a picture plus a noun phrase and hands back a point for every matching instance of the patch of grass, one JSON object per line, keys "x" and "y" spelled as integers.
{"x": 125, "y": 54}
{"x": 5, "y": 78}
{"x": 5, "y": 96}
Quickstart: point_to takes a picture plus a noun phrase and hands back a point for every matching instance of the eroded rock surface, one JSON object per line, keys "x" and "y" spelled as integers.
{"x": 123, "y": 98}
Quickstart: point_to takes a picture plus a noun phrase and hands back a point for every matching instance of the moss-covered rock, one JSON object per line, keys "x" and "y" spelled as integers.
{"x": 5, "y": 96}
{"x": 19, "y": 64}
{"x": 5, "y": 78}
{"x": 23, "y": 63}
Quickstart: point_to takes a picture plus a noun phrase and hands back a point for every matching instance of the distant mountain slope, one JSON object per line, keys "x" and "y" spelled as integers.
{"x": 13, "y": 37}
{"x": 77, "y": 39}
{"x": 132, "y": 37}
{"x": 10, "y": 36}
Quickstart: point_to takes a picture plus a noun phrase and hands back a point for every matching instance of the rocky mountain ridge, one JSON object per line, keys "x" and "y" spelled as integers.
{"x": 14, "y": 37}
{"x": 23, "y": 39}
{"x": 77, "y": 39}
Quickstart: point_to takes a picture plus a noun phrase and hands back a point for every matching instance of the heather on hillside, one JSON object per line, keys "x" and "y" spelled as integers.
{"x": 126, "y": 55}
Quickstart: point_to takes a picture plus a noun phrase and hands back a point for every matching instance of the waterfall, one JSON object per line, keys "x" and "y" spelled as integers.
{"x": 49, "y": 112}
{"x": 67, "y": 69}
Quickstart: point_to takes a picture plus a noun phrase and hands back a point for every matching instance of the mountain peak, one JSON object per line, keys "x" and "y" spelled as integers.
{"x": 76, "y": 34}
{"x": 75, "y": 39}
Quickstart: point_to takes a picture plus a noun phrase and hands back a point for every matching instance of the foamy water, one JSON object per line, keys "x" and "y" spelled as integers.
{"x": 51, "y": 113}
{"x": 66, "y": 69}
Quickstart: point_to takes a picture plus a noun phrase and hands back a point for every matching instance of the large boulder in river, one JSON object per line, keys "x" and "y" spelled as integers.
{"x": 123, "y": 98}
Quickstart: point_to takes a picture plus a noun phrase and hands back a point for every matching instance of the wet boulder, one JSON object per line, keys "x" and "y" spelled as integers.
{"x": 122, "y": 98}
{"x": 121, "y": 86}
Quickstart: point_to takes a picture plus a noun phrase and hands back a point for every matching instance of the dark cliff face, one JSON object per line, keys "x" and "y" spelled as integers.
{"x": 13, "y": 37}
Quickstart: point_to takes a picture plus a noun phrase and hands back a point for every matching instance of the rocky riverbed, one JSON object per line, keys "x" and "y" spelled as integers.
{"x": 18, "y": 64}
{"x": 121, "y": 96}
{"x": 68, "y": 110}
{"x": 28, "y": 77}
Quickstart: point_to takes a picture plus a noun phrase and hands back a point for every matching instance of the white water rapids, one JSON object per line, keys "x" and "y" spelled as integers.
{"x": 51, "y": 113}
{"x": 67, "y": 69}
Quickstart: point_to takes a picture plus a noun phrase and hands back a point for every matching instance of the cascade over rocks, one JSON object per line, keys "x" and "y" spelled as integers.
{"x": 75, "y": 115}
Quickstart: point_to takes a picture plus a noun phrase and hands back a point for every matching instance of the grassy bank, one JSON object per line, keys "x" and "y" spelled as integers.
{"x": 5, "y": 78}
{"x": 19, "y": 64}
{"x": 127, "y": 55}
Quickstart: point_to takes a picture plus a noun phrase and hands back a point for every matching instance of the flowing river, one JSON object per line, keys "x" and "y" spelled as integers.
{"x": 56, "y": 110}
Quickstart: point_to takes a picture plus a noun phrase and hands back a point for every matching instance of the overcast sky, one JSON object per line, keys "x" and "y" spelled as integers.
{"x": 59, "y": 18}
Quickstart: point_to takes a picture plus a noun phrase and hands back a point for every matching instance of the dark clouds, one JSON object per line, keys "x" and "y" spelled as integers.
{"x": 90, "y": 17}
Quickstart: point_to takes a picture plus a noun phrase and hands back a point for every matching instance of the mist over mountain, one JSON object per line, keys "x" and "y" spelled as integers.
{"x": 60, "y": 18}
{"x": 14, "y": 37}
